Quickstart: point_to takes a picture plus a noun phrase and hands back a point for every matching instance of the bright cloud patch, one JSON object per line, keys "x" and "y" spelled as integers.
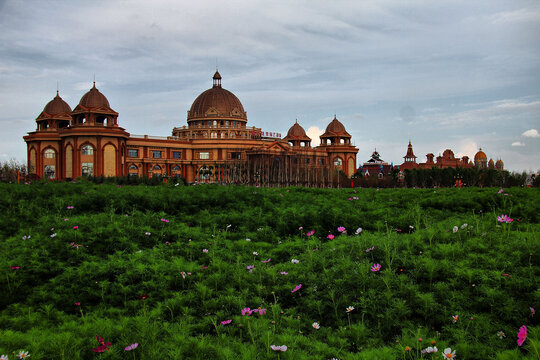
{"x": 532, "y": 133}
{"x": 518, "y": 143}
{"x": 314, "y": 132}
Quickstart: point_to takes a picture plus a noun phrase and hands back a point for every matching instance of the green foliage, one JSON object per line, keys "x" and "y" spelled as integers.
{"x": 135, "y": 263}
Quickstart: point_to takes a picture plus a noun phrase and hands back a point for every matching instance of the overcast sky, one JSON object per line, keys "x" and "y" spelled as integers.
{"x": 444, "y": 74}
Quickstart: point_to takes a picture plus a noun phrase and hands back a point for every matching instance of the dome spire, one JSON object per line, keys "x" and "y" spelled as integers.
{"x": 217, "y": 79}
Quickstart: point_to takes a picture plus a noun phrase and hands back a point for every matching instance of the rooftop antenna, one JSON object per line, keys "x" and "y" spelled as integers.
{"x": 57, "y": 87}
{"x": 94, "y": 79}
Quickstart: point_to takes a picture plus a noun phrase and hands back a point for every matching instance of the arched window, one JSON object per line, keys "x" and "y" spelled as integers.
{"x": 338, "y": 162}
{"x": 157, "y": 167}
{"x": 176, "y": 168}
{"x": 133, "y": 167}
{"x": 87, "y": 150}
{"x": 49, "y": 154}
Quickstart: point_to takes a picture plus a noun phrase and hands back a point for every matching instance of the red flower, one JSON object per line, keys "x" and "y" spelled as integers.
{"x": 104, "y": 346}
{"x": 143, "y": 297}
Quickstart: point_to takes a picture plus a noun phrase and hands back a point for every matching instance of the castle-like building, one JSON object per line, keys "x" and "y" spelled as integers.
{"x": 447, "y": 159}
{"x": 215, "y": 146}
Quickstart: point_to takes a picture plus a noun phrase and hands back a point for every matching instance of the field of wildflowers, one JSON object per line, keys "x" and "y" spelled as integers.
{"x": 221, "y": 272}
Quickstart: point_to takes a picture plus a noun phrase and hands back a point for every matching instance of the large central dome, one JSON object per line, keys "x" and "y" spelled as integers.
{"x": 217, "y": 103}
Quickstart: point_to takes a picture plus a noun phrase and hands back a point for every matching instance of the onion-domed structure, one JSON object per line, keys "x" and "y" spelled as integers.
{"x": 297, "y": 136}
{"x": 448, "y": 154}
{"x": 56, "y": 114}
{"x": 94, "y": 109}
{"x": 335, "y": 133}
{"x": 480, "y": 159}
{"x": 499, "y": 165}
{"x": 217, "y": 105}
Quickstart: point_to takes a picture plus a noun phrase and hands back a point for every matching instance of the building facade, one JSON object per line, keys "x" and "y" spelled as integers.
{"x": 447, "y": 159}
{"x": 216, "y": 145}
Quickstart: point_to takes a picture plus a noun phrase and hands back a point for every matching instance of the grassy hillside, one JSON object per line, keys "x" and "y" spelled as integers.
{"x": 163, "y": 267}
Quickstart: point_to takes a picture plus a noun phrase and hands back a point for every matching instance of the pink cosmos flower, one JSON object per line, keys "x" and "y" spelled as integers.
{"x": 246, "y": 311}
{"x": 358, "y": 231}
{"x": 504, "y": 219}
{"x": 375, "y": 267}
{"x": 75, "y": 227}
{"x": 205, "y": 251}
{"x": 370, "y": 249}
{"x": 226, "y": 322}
{"x": 532, "y": 311}
{"x": 266, "y": 261}
{"x": 284, "y": 273}
{"x": 331, "y": 237}
{"x": 77, "y": 303}
{"x": 455, "y": 318}
{"x": 259, "y": 311}
{"x": 165, "y": 220}
{"x": 131, "y": 347}
{"x": 310, "y": 233}
{"x": 301, "y": 228}
{"x": 282, "y": 348}
{"x": 204, "y": 267}
{"x": 341, "y": 229}
{"x": 15, "y": 267}
{"x": 69, "y": 207}
{"x": 501, "y": 190}
{"x": 296, "y": 288}
{"x": 522, "y": 335}
{"x": 147, "y": 233}
{"x": 104, "y": 346}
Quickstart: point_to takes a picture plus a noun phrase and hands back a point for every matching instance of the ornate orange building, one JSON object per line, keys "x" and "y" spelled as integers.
{"x": 447, "y": 159}
{"x": 215, "y": 146}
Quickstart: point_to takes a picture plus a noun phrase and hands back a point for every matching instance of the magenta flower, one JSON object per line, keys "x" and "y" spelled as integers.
{"x": 341, "y": 229}
{"x": 165, "y": 220}
{"x": 259, "y": 311}
{"x": 103, "y": 346}
{"x": 331, "y": 236}
{"x": 501, "y": 190}
{"x": 375, "y": 267}
{"x": 246, "y": 311}
{"x": 310, "y": 233}
{"x": 205, "y": 251}
{"x": 75, "y": 227}
{"x": 522, "y": 335}
{"x": 504, "y": 219}
{"x": 284, "y": 273}
{"x": 282, "y": 348}
{"x": 226, "y": 322}
{"x": 370, "y": 249}
{"x": 15, "y": 267}
{"x": 69, "y": 207}
{"x": 266, "y": 261}
{"x": 301, "y": 228}
{"x": 77, "y": 304}
{"x": 296, "y": 288}
{"x": 131, "y": 347}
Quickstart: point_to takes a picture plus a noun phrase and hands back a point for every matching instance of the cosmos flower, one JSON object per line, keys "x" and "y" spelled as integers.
{"x": 358, "y": 231}
{"x": 504, "y": 219}
{"x": 296, "y": 288}
{"x": 349, "y": 309}
{"x": 266, "y": 261}
{"x": 522, "y": 335}
{"x": 331, "y": 236}
{"x": 23, "y": 354}
{"x": 310, "y": 233}
{"x": 370, "y": 249}
{"x": 131, "y": 347}
{"x": 282, "y": 348}
{"x": 69, "y": 207}
{"x": 226, "y": 322}
{"x": 284, "y": 273}
{"x": 295, "y": 261}
{"x": 255, "y": 253}
{"x": 501, "y": 334}
{"x": 246, "y": 311}
{"x": 430, "y": 350}
{"x": 449, "y": 354}
{"x": 316, "y": 325}
{"x": 532, "y": 311}
{"x": 455, "y": 318}
{"x": 341, "y": 229}
{"x": 147, "y": 233}
{"x": 165, "y": 220}
{"x": 205, "y": 251}
{"x": 375, "y": 267}
{"x": 455, "y": 230}
{"x": 4, "y": 357}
